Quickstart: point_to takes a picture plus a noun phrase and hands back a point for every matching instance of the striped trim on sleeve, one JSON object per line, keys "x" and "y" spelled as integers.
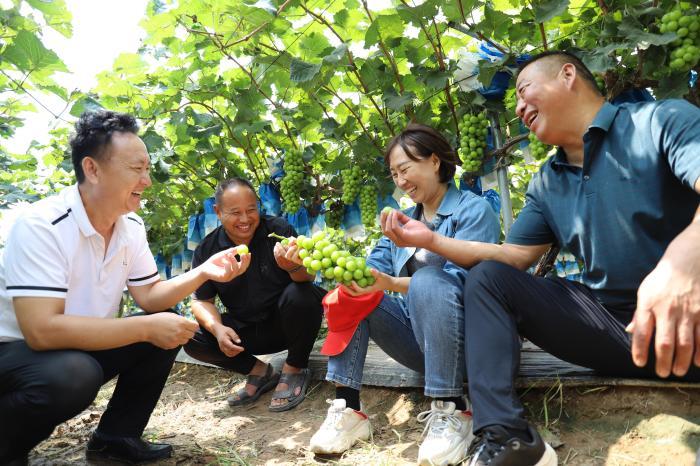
{"x": 140, "y": 279}
{"x": 38, "y": 288}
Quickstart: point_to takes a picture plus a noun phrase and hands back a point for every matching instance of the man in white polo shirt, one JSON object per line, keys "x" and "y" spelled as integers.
{"x": 66, "y": 262}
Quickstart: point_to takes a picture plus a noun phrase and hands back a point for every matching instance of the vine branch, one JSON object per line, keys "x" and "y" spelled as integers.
{"x": 23, "y": 89}
{"x": 387, "y": 54}
{"x": 357, "y": 117}
{"x": 543, "y": 35}
{"x": 353, "y": 67}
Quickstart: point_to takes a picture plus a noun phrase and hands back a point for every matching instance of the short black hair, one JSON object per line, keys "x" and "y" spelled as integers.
{"x": 561, "y": 57}
{"x": 93, "y": 132}
{"x": 420, "y": 142}
{"x": 232, "y": 183}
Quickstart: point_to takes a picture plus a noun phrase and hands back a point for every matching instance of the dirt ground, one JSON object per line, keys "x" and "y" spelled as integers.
{"x": 605, "y": 425}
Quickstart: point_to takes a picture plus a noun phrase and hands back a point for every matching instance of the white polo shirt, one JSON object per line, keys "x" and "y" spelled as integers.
{"x": 54, "y": 251}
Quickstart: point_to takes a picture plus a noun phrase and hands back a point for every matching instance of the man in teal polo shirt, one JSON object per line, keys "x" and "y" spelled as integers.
{"x": 621, "y": 194}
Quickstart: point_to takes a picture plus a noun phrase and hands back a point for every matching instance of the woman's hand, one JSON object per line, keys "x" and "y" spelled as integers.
{"x": 382, "y": 282}
{"x": 405, "y": 231}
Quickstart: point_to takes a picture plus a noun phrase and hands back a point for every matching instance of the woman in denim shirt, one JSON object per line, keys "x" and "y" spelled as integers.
{"x": 420, "y": 324}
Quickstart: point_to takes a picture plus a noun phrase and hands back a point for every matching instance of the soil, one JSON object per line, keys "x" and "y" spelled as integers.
{"x": 604, "y": 425}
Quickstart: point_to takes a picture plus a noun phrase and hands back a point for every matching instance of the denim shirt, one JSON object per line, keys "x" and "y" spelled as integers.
{"x": 461, "y": 215}
{"x": 632, "y": 196}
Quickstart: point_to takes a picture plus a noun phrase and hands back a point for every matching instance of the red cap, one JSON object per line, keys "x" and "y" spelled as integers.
{"x": 343, "y": 314}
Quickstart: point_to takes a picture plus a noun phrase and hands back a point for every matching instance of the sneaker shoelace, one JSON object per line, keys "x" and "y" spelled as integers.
{"x": 438, "y": 421}
{"x": 334, "y": 417}
{"x": 485, "y": 443}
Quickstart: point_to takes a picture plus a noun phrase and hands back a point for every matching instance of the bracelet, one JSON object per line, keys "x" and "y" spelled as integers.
{"x": 295, "y": 269}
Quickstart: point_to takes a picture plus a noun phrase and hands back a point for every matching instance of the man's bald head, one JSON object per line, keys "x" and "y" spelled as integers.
{"x": 552, "y": 61}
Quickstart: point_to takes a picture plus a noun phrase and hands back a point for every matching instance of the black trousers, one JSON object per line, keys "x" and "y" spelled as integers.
{"x": 293, "y": 325}
{"x": 41, "y": 389}
{"x": 560, "y": 316}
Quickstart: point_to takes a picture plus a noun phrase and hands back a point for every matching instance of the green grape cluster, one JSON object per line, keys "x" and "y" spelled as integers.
{"x": 538, "y": 149}
{"x": 473, "y": 130}
{"x": 351, "y": 184}
{"x": 292, "y": 181}
{"x": 686, "y": 53}
{"x": 334, "y": 215}
{"x": 600, "y": 82}
{"x": 368, "y": 204}
{"x": 323, "y": 253}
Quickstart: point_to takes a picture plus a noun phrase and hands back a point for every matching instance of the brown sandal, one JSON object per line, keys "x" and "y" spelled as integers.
{"x": 262, "y": 383}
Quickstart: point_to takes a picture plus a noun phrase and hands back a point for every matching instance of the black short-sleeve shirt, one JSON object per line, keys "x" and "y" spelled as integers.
{"x": 249, "y": 297}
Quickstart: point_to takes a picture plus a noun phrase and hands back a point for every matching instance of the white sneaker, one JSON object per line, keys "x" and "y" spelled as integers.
{"x": 342, "y": 428}
{"x": 449, "y": 433}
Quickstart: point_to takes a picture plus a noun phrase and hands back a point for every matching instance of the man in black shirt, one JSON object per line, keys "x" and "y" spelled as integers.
{"x": 271, "y": 307}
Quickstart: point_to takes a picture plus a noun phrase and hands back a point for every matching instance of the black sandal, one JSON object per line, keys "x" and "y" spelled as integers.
{"x": 262, "y": 383}
{"x": 293, "y": 381}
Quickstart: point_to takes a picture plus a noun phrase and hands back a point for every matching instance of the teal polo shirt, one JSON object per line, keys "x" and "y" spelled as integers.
{"x": 632, "y": 197}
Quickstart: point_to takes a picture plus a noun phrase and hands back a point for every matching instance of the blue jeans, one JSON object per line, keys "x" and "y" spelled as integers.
{"x": 423, "y": 331}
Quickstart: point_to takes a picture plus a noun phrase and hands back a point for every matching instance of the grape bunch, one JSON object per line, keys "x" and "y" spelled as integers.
{"x": 351, "y": 184}
{"x": 538, "y": 149}
{"x": 473, "y": 130}
{"x": 600, "y": 82}
{"x": 334, "y": 215}
{"x": 292, "y": 181}
{"x": 368, "y": 204}
{"x": 323, "y": 253}
{"x": 686, "y": 53}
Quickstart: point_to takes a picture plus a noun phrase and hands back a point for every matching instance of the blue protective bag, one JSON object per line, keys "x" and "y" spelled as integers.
{"x": 194, "y": 236}
{"x": 270, "y": 199}
{"x": 163, "y": 269}
{"x": 300, "y": 221}
{"x": 187, "y": 260}
{"x": 210, "y": 219}
{"x": 352, "y": 220}
{"x": 387, "y": 201}
{"x": 464, "y": 185}
{"x": 176, "y": 265}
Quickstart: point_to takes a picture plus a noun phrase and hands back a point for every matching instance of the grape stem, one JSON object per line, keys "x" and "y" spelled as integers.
{"x": 275, "y": 235}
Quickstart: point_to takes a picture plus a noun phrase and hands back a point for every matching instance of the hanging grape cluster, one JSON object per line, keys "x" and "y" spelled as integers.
{"x": 686, "y": 52}
{"x": 351, "y": 184}
{"x": 473, "y": 130}
{"x": 334, "y": 215}
{"x": 292, "y": 181}
{"x": 600, "y": 82}
{"x": 323, "y": 252}
{"x": 538, "y": 149}
{"x": 368, "y": 204}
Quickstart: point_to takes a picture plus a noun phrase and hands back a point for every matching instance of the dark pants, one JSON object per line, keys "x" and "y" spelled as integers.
{"x": 293, "y": 325}
{"x": 41, "y": 389}
{"x": 560, "y": 316}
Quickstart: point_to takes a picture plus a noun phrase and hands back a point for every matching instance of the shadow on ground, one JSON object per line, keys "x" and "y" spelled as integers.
{"x": 605, "y": 425}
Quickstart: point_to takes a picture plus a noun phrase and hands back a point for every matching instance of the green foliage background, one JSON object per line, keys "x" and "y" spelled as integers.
{"x": 225, "y": 87}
